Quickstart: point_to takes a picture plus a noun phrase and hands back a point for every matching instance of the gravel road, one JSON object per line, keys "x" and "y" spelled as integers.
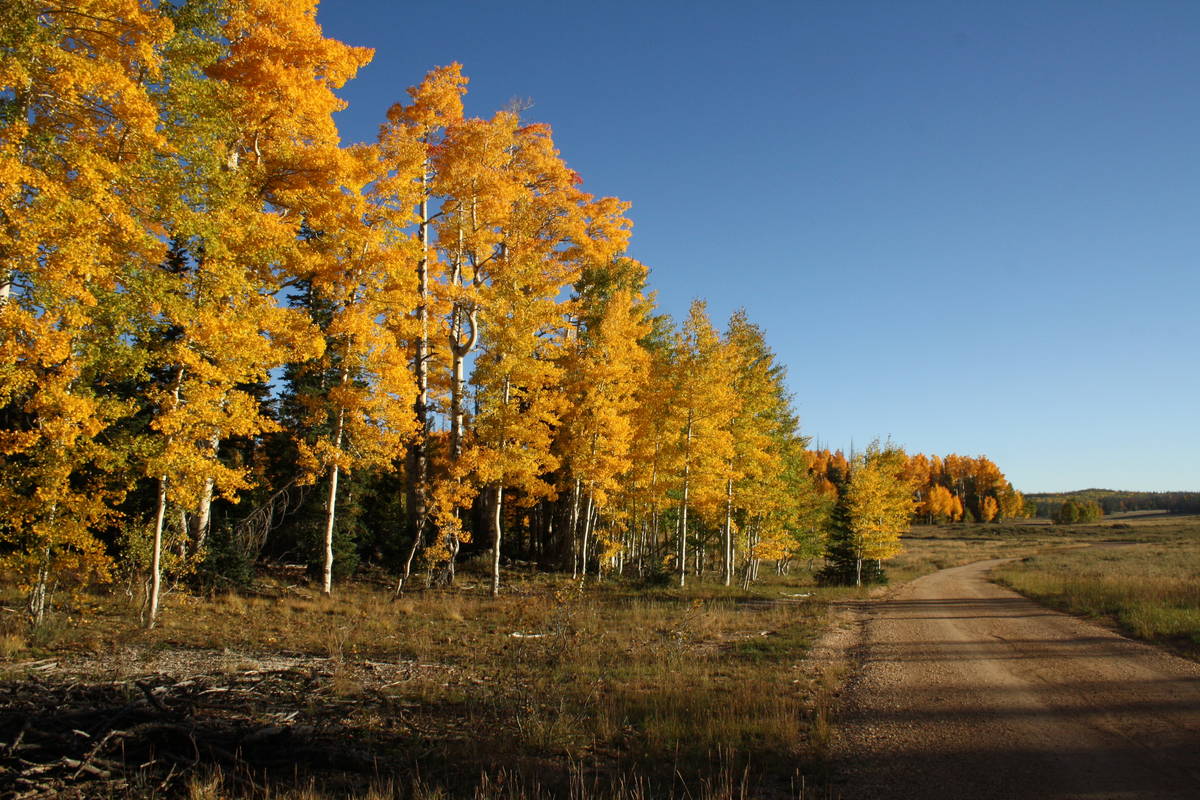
{"x": 963, "y": 689}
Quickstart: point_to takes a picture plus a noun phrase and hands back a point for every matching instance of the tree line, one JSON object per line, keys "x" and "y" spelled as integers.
{"x": 225, "y": 335}
{"x": 945, "y": 489}
{"x": 1111, "y": 501}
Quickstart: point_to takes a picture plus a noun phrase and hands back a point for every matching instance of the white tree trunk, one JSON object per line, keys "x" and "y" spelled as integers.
{"x": 575, "y": 530}
{"x": 331, "y": 503}
{"x": 41, "y": 588}
{"x": 330, "y": 513}
{"x": 418, "y": 457}
{"x": 200, "y": 522}
{"x": 496, "y": 540}
{"x": 683, "y": 504}
{"x": 727, "y": 569}
{"x": 160, "y": 514}
{"x": 587, "y": 529}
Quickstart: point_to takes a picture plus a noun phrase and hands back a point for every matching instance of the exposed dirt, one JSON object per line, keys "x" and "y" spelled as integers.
{"x": 964, "y": 689}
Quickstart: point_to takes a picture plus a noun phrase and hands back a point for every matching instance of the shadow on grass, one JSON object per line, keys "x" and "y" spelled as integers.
{"x": 266, "y": 732}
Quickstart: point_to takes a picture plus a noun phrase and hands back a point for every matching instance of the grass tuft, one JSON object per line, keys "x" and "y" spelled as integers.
{"x": 12, "y": 644}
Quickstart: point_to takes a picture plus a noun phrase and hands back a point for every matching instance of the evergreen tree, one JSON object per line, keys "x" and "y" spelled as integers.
{"x": 842, "y": 553}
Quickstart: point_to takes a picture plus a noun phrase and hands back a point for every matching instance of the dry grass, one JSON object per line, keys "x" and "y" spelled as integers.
{"x": 11, "y": 644}
{"x": 1149, "y": 588}
{"x": 614, "y": 691}
{"x": 502, "y": 785}
{"x": 928, "y": 548}
{"x": 610, "y": 691}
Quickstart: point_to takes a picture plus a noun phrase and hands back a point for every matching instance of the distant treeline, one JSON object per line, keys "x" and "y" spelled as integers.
{"x": 1115, "y": 502}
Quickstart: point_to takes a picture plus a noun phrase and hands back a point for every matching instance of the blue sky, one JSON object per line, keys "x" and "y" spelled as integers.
{"x": 974, "y": 227}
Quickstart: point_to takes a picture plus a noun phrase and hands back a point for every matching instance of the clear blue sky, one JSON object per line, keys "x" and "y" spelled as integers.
{"x": 974, "y": 227}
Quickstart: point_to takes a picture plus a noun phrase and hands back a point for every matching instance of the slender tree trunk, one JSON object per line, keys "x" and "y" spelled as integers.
{"x": 496, "y": 540}
{"x": 41, "y": 585}
{"x": 418, "y": 457}
{"x": 185, "y": 524}
{"x": 727, "y": 567}
{"x": 656, "y": 532}
{"x": 655, "y": 528}
{"x": 330, "y": 514}
{"x": 454, "y": 546}
{"x": 683, "y": 504}
{"x": 331, "y": 503}
{"x": 574, "y": 530}
{"x": 462, "y": 342}
{"x": 641, "y": 553}
{"x": 587, "y": 527}
{"x": 41, "y": 588}
{"x": 160, "y": 514}
{"x": 201, "y": 521}
{"x": 406, "y": 570}
{"x": 496, "y": 522}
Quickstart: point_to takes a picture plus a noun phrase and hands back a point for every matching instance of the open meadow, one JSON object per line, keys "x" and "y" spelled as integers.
{"x": 609, "y": 690}
{"x": 1144, "y": 580}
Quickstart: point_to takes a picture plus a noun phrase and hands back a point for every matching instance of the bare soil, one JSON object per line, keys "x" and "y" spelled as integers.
{"x": 963, "y": 689}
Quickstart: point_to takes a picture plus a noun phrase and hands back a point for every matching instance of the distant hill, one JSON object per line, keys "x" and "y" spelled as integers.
{"x": 1114, "y": 501}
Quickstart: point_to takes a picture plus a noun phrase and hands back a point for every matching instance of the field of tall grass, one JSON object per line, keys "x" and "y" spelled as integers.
{"x": 1148, "y": 586}
{"x": 612, "y": 690}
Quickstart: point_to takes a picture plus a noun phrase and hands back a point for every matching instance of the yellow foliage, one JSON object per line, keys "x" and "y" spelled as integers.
{"x": 988, "y": 508}
{"x": 879, "y": 500}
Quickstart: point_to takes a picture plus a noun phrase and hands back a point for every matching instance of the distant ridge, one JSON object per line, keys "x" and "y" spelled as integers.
{"x": 1114, "y": 501}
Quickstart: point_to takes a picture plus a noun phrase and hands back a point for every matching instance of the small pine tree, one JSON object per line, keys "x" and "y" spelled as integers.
{"x": 842, "y": 554}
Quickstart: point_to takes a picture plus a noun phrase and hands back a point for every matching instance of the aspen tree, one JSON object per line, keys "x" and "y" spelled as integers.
{"x": 706, "y": 404}
{"x": 552, "y": 230}
{"x": 78, "y": 132}
{"x": 272, "y": 91}
{"x": 1012, "y": 503}
{"x": 419, "y": 129}
{"x": 656, "y": 419}
{"x": 278, "y": 75}
{"x": 957, "y": 475}
{"x": 359, "y": 411}
{"x": 988, "y": 508}
{"x": 755, "y": 456}
{"x": 479, "y": 188}
{"x": 605, "y": 367}
{"x": 938, "y": 503}
{"x": 879, "y": 502}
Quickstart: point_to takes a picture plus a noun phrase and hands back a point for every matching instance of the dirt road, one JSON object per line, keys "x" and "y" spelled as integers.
{"x": 967, "y": 690}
